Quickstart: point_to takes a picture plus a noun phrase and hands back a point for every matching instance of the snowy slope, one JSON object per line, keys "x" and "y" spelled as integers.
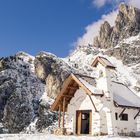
{"x": 83, "y": 57}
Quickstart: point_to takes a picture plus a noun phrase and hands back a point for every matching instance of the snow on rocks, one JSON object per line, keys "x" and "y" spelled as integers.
{"x": 22, "y": 94}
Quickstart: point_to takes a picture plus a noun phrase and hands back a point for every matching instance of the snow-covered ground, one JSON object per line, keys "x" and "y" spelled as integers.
{"x": 54, "y": 137}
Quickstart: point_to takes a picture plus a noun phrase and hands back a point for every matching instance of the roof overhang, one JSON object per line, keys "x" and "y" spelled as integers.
{"x": 70, "y": 85}
{"x": 124, "y": 106}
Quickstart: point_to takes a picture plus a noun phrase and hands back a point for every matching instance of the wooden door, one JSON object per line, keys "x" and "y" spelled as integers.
{"x": 80, "y": 121}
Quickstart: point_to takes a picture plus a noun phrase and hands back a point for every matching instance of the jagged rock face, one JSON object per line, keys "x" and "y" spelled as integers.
{"x": 128, "y": 21}
{"x": 105, "y": 32}
{"x": 53, "y": 84}
{"x": 54, "y": 71}
{"x": 20, "y": 92}
{"x": 129, "y": 53}
{"x": 127, "y": 24}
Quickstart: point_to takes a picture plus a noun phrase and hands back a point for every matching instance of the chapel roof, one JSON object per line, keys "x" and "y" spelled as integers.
{"x": 105, "y": 62}
{"x": 124, "y": 97}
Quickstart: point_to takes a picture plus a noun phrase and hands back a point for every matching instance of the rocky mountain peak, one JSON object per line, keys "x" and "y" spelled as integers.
{"x": 129, "y": 11}
{"x": 105, "y": 29}
{"x": 127, "y": 24}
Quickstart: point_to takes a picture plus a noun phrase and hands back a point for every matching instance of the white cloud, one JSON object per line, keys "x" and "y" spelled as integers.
{"x": 92, "y": 30}
{"x": 99, "y": 3}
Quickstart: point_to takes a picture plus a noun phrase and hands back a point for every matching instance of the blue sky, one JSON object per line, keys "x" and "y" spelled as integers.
{"x": 48, "y": 25}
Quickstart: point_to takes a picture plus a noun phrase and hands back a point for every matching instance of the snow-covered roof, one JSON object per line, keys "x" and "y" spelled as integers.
{"x": 123, "y": 96}
{"x": 105, "y": 62}
{"x": 89, "y": 83}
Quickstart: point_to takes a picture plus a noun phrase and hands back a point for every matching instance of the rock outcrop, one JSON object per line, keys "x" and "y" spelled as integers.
{"x": 53, "y": 71}
{"x": 127, "y": 24}
{"x": 127, "y": 51}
